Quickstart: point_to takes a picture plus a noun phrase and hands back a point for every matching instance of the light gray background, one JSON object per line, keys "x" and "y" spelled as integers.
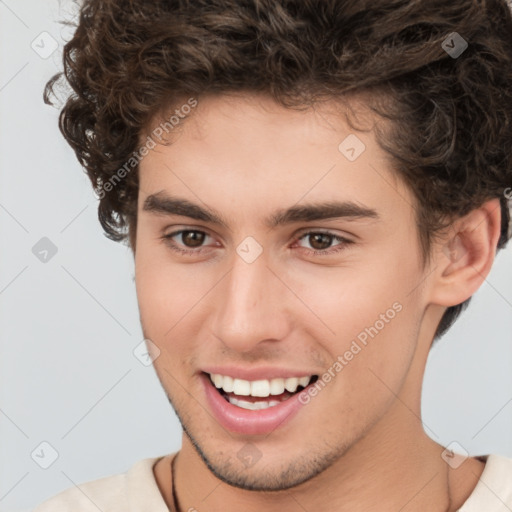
{"x": 68, "y": 327}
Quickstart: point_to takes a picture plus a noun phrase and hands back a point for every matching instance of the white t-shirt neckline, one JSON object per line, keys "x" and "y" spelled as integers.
{"x": 493, "y": 492}
{"x": 137, "y": 490}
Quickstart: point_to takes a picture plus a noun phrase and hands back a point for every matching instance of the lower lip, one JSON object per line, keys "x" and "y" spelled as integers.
{"x": 245, "y": 421}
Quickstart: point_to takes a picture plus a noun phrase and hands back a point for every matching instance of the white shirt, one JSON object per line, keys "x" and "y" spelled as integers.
{"x": 137, "y": 491}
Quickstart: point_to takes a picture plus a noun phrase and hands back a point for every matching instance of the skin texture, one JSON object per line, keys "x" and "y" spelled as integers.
{"x": 360, "y": 443}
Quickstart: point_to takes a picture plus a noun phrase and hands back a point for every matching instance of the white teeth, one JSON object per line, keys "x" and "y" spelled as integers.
{"x": 218, "y": 380}
{"x": 291, "y": 384}
{"x": 258, "y": 388}
{"x": 277, "y": 386}
{"x": 304, "y": 381}
{"x": 253, "y": 406}
{"x": 241, "y": 387}
{"x": 227, "y": 384}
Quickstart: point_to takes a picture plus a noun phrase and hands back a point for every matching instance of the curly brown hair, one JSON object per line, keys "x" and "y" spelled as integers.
{"x": 450, "y": 116}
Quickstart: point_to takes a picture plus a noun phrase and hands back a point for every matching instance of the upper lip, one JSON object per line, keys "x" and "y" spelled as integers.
{"x": 262, "y": 373}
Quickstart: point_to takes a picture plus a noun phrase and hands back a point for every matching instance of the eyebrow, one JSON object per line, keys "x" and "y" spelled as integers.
{"x": 161, "y": 203}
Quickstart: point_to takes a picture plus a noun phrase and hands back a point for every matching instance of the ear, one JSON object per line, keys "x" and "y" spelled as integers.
{"x": 464, "y": 257}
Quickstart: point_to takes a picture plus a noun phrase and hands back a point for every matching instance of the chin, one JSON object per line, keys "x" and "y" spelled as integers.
{"x": 247, "y": 468}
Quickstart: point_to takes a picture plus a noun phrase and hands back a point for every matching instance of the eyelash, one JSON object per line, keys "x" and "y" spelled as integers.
{"x": 325, "y": 252}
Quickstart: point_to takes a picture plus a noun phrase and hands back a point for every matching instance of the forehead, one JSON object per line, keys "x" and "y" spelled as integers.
{"x": 247, "y": 153}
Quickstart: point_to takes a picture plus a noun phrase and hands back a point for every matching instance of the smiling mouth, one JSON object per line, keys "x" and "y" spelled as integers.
{"x": 259, "y": 394}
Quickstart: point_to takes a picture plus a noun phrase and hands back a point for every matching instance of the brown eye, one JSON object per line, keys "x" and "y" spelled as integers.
{"x": 187, "y": 241}
{"x": 320, "y": 241}
{"x": 193, "y": 238}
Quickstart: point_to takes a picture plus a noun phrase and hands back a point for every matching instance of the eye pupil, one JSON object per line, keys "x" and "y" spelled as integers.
{"x": 321, "y": 238}
{"x": 193, "y": 238}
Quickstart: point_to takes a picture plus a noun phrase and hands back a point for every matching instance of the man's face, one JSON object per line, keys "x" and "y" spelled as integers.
{"x": 257, "y": 300}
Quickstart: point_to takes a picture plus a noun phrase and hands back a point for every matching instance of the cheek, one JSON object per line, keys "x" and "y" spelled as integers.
{"x": 351, "y": 298}
{"x": 172, "y": 300}
{"x": 367, "y": 317}
{"x": 368, "y": 374}
{"x": 158, "y": 293}
{"x": 164, "y": 291}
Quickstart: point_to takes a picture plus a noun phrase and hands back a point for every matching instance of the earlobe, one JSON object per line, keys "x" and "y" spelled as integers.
{"x": 464, "y": 257}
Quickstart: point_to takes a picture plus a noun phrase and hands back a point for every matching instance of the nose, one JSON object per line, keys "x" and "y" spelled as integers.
{"x": 252, "y": 306}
